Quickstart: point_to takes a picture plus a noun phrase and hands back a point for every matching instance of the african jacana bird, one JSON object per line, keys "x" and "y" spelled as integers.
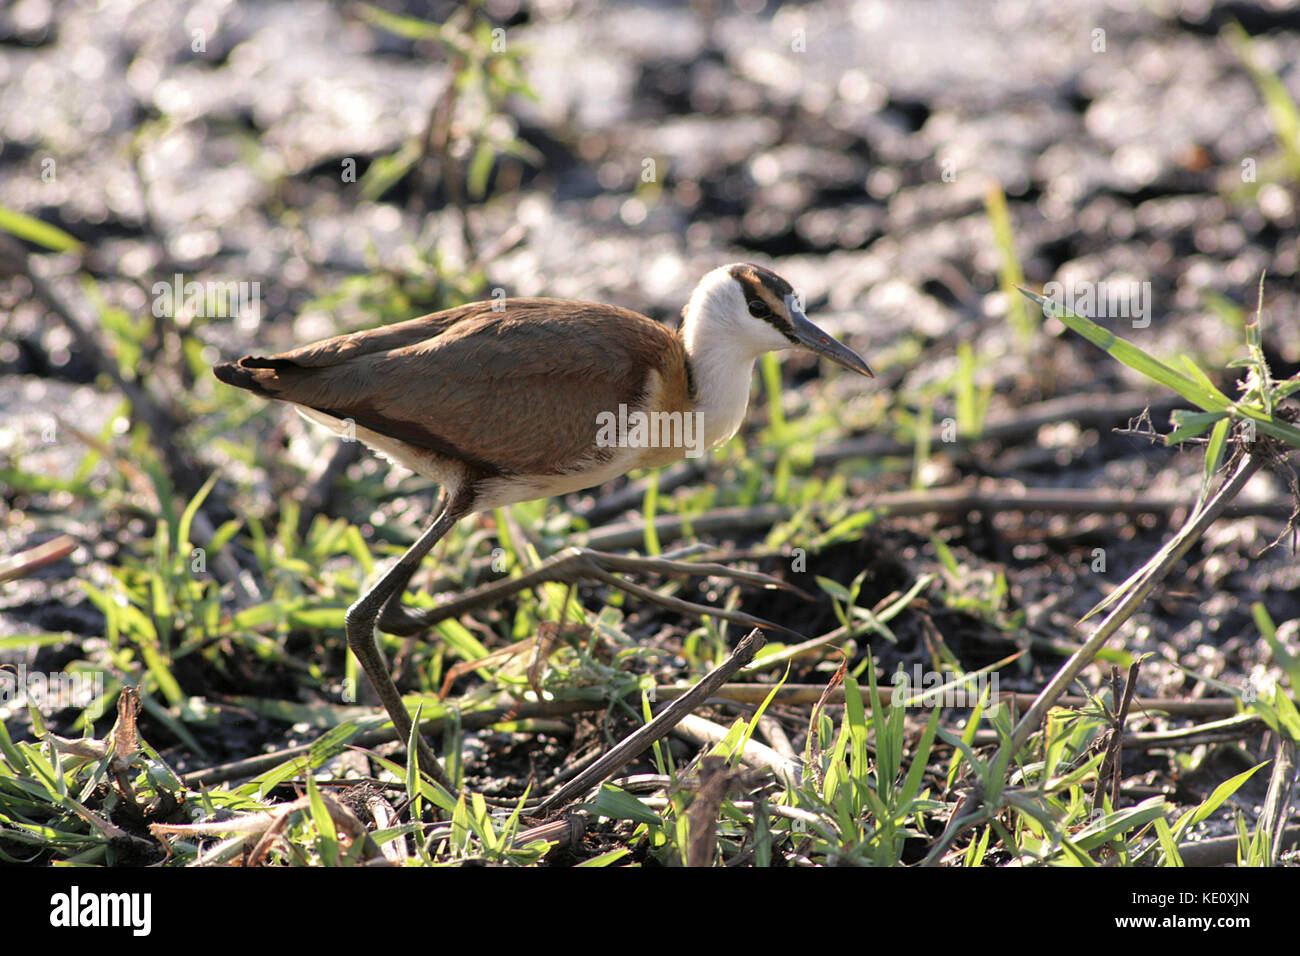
{"x": 510, "y": 400}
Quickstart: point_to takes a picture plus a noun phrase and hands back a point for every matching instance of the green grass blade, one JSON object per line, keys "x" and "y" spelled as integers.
{"x": 191, "y": 509}
{"x": 34, "y": 230}
{"x": 1167, "y": 844}
{"x": 920, "y": 759}
{"x": 605, "y": 859}
{"x": 1213, "y": 458}
{"x": 1211, "y": 803}
{"x": 1010, "y": 274}
{"x": 1139, "y": 360}
{"x": 649, "y": 506}
{"x": 328, "y": 839}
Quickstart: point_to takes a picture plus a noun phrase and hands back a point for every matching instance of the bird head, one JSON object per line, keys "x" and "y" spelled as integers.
{"x": 756, "y": 311}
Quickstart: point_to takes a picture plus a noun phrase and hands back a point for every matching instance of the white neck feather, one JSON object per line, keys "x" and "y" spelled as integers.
{"x": 717, "y": 332}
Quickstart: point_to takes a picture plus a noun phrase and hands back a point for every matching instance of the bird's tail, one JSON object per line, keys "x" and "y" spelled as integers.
{"x": 258, "y": 375}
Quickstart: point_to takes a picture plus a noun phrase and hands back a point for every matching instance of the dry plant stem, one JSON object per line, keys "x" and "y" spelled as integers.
{"x": 702, "y": 815}
{"x": 126, "y": 741}
{"x": 575, "y": 564}
{"x": 1217, "y": 732}
{"x": 796, "y": 694}
{"x": 1085, "y": 409}
{"x": 705, "y": 732}
{"x": 1182, "y": 541}
{"x": 990, "y": 497}
{"x": 776, "y": 736}
{"x": 1278, "y": 801}
{"x": 24, "y": 562}
{"x": 971, "y": 809}
{"x": 1112, "y": 764}
{"x": 627, "y": 751}
{"x": 1236, "y": 727}
{"x": 1117, "y": 762}
{"x": 566, "y": 831}
{"x": 436, "y": 138}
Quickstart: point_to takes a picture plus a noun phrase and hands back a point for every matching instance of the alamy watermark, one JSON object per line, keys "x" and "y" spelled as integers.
{"x": 1100, "y": 300}
{"x": 133, "y": 911}
{"x": 209, "y": 300}
{"x": 640, "y": 429}
{"x": 930, "y": 688}
{"x": 52, "y": 691}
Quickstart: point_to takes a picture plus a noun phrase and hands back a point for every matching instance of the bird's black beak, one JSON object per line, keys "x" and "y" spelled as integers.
{"x": 815, "y": 340}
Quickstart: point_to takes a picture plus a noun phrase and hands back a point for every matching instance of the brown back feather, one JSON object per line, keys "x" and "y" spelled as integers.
{"x": 511, "y": 391}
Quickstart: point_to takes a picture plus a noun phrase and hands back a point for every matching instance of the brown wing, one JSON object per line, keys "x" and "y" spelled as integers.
{"x": 512, "y": 391}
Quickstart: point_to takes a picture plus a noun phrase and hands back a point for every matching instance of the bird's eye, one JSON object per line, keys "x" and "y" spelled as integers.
{"x": 758, "y": 309}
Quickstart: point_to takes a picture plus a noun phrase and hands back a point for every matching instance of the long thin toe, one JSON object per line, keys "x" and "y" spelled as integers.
{"x": 618, "y": 562}
{"x": 688, "y": 607}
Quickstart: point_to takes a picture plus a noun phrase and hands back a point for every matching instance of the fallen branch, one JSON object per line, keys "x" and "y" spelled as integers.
{"x": 25, "y": 562}
{"x": 627, "y": 751}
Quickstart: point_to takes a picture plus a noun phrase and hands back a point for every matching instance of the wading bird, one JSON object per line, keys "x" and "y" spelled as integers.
{"x": 516, "y": 399}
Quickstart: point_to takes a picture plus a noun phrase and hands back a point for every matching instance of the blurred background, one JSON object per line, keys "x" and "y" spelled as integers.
{"x": 617, "y": 151}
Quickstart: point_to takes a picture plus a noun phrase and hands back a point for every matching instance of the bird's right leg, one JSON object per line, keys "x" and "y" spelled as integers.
{"x": 360, "y": 624}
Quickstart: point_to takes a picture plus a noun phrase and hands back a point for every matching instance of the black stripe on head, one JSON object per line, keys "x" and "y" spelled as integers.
{"x": 768, "y": 296}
